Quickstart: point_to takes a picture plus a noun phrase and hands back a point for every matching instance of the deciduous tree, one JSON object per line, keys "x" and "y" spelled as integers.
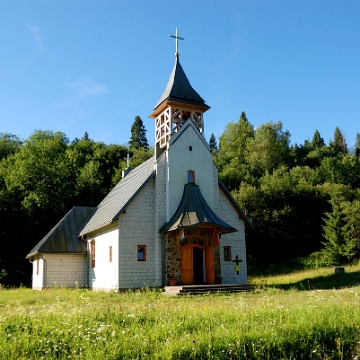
{"x": 269, "y": 149}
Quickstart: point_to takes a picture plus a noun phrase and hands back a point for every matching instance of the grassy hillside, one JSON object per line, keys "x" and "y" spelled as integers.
{"x": 316, "y": 279}
{"x": 269, "y": 323}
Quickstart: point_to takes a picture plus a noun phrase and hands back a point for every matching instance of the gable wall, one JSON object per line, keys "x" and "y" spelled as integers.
{"x": 237, "y": 242}
{"x": 136, "y": 227}
{"x": 65, "y": 270}
{"x": 104, "y": 276}
{"x": 180, "y": 160}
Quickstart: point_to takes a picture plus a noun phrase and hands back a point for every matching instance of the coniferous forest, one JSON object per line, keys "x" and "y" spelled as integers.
{"x": 303, "y": 199}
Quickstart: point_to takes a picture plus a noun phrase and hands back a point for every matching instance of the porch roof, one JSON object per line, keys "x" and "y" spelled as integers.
{"x": 194, "y": 211}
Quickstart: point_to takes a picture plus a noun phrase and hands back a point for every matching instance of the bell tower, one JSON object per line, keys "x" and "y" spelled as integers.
{"x": 179, "y": 103}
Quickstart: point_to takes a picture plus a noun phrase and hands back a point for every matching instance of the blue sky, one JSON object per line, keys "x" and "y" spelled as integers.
{"x": 76, "y": 66}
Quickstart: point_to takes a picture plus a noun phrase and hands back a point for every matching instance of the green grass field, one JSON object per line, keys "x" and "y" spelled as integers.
{"x": 306, "y": 315}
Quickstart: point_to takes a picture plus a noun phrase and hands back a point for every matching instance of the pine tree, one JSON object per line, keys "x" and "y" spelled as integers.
{"x": 333, "y": 231}
{"x": 351, "y": 230}
{"x": 86, "y": 136}
{"x": 357, "y": 145}
{"x": 213, "y": 143}
{"x": 339, "y": 144}
{"x": 317, "y": 140}
{"x": 138, "y": 135}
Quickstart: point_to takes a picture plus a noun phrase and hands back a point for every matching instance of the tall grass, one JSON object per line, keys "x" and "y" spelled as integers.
{"x": 266, "y": 324}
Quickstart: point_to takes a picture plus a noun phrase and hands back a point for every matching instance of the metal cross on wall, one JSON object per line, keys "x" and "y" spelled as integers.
{"x": 177, "y": 38}
{"x": 237, "y": 261}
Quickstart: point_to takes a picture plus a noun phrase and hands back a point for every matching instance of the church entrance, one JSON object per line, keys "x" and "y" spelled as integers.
{"x": 197, "y": 261}
{"x": 198, "y": 265}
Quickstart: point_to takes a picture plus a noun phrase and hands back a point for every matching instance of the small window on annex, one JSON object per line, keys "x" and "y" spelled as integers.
{"x": 191, "y": 176}
{"x": 141, "y": 252}
{"x": 110, "y": 253}
{"x": 227, "y": 253}
{"x": 37, "y": 266}
{"x": 92, "y": 253}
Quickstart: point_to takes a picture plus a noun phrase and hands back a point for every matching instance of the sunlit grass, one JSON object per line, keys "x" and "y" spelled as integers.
{"x": 321, "y": 278}
{"x": 266, "y": 324}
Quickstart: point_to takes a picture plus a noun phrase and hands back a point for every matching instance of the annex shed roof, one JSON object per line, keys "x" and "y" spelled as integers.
{"x": 120, "y": 197}
{"x": 194, "y": 211}
{"x": 63, "y": 237}
{"x": 178, "y": 89}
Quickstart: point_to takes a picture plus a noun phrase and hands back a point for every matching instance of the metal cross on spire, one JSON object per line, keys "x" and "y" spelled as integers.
{"x": 177, "y": 38}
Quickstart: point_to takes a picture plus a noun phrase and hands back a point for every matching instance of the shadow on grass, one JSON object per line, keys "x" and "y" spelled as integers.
{"x": 333, "y": 281}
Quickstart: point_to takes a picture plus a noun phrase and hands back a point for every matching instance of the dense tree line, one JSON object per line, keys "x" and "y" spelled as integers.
{"x": 42, "y": 178}
{"x": 302, "y": 199}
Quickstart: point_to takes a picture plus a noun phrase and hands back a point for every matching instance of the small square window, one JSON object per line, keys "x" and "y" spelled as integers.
{"x": 190, "y": 148}
{"x": 141, "y": 252}
{"x": 227, "y": 253}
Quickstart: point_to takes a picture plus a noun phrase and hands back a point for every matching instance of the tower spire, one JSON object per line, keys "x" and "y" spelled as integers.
{"x": 178, "y": 104}
{"x": 177, "y": 42}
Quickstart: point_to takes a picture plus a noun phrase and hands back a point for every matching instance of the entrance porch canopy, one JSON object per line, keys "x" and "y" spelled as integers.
{"x": 194, "y": 211}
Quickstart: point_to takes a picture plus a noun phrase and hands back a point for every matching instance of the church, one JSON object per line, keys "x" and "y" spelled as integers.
{"x": 170, "y": 220}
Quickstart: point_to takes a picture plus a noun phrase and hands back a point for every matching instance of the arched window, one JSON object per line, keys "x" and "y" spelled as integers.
{"x": 92, "y": 253}
{"x": 191, "y": 177}
{"x": 193, "y": 240}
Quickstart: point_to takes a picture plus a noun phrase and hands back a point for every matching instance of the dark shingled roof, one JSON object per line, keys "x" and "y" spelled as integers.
{"x": 63, "y": 237}
{"x": 120, "y": 196}
{"x": 179, "y": 89}
{"x": 194, "y": 211}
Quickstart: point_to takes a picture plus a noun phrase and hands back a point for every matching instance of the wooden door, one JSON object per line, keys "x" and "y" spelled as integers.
{"x": 187, "y": 270}
{"x": 210, "y": 265}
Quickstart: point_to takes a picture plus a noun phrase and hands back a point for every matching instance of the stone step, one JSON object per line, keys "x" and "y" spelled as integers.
{"x": 206, "y": 289}
{"x": 196, "y": 290}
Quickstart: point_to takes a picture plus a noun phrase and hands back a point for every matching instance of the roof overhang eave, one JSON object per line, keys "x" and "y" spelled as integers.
{"x": 31, "y": 255}
{"x": 95, "y": 228}
{"x": 181, "y": 102}
{"x": 220, "y": 229}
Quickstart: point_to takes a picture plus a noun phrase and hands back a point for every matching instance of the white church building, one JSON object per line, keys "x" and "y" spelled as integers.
{"x": 171, "y": 219}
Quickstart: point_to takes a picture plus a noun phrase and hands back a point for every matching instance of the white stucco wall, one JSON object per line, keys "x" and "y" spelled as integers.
{"x": 180, "y": 159}
{"x": 136, "y": 227}
{"x": 37, "y": 277}
{"x": 104, "y": 276}
{"x": 237, "y": 242}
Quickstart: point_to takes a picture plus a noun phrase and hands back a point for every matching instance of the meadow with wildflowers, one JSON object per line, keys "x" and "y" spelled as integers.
{"x": 269, "y": 323}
